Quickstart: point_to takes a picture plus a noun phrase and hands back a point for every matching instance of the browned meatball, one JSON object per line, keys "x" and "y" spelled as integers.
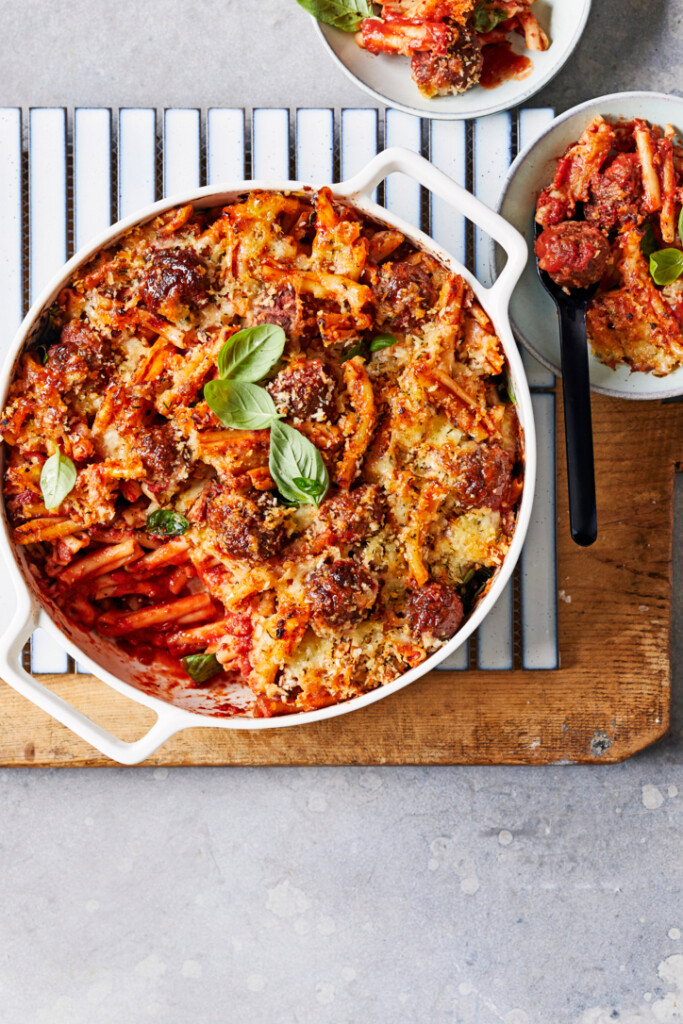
{"x": 304, "y": 390}
{"x": 615, "y": 194}
{"x": 248, "y": 525}
{"x": 405, "y": 291}
{"x": 340, "y": 594}
{"x": 574, "y": 254}
{"x": 354, "y": 515}
{"x": 483, "y": 479}
{"x": 453, "y": 72}
{"x": 174, "y": 280}
{"x": 281, "y": 307}
{"x": 80, "y": 355}
{"x": 161, "y": 456}
{"x": 435, "y": 610}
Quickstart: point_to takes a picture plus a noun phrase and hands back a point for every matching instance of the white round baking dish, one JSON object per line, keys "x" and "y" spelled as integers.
{"x": 110, "y": 663}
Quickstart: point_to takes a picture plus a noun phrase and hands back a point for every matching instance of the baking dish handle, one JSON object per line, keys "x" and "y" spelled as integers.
{"x": 170, "y": 720}
{"x": 422, "y": 171}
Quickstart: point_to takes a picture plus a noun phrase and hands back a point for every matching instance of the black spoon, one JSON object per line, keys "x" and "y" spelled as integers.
{"x": 578, "y": 427}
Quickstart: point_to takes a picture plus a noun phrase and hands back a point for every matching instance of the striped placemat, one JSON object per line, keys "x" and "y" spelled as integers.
{"x": 64, "y": 176}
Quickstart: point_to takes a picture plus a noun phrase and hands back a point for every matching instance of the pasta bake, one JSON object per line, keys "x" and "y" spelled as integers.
{"x": 272, "y": 442}
{"x": 612, "y": 217}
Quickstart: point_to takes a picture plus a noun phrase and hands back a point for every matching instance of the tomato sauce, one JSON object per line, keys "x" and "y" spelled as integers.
{"x": 501, "y": 63}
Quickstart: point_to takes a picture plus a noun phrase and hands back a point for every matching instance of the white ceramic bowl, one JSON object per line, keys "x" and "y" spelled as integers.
{"x": 121, "y": 671}
{"x": 388, "y": 78}
{"x": 532, "y": 312}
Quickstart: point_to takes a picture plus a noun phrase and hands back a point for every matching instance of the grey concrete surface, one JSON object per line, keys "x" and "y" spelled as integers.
{"x": 348, "y": 896}
{"x": 265, "y": 52}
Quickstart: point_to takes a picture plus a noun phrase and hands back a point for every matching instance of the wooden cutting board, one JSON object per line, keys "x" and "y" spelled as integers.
{"x": 609, "y": 699}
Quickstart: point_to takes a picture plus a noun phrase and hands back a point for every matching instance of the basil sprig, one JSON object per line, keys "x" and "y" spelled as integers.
{"x": 344, "y": 14}
{"x": 164, "y": 522}
{"x": 251, "y": 353}
{"x": 487, "y": 18}
{"x": 376, "y": 345}
{"x": 201, "y": 667}
{"x": 246, "y": 358}
{"x": 666, "y": 265}
{"x": 296, "y": 466}
{"x": 57, "y": 479}
{"x": 313, "y": 488}
{"x": 241, "y": 406}
{"x": 382, "y": 341}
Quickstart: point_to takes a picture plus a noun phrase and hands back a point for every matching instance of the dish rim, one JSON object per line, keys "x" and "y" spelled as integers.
{"x": 494, "y": 261}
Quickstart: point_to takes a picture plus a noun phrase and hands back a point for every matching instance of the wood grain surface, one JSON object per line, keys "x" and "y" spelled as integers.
{"x": 608, "y": 700}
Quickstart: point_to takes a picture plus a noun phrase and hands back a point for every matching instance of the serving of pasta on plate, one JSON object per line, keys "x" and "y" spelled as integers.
{"x": 613, "y": 217}
{"x": 452, "y": 45}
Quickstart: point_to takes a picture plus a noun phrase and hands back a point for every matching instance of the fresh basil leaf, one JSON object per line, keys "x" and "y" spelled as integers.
{"x": 294, "y": 459}
{"x": 382, "y": 341}
{"x": 487, "y": 18}
{"x": 251, "y": 353}
{"x": 314, "y": 488}
{"x": 201, "y": 667}
{"x": 239, "y": 405}
{"x": 680, "y": 226}
{"x": 344, "y": 14}
{"x": 167, "y": 523}
{"x": 355, "y": 350}
{"x": 57, "y": 479}
{"x": 648, "y": 242}
{"x": 666, "y": 266}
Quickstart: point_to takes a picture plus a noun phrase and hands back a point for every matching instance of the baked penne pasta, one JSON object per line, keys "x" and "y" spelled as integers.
{"x": 312, "y": 567}
{"x": 626, "y": 177}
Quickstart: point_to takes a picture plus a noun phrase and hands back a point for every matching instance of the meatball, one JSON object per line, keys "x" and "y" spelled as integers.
{"x": 282, "y": 308}
{"x": 483, "y": 477}
{"x": 454, "y": 72}
{"x": 304, "y": 390}
{"x": 574, "y": 254}
{"x": 615, "y": 194}
{"x": 435, "y": 610}
{"x": 354, "y": 515}
{"x": 164, "y": 460}
{"x": 405, "y": 291}
{"x": 174, "y": 280}
{"x": 340, "y": 594}
{"x": 247, "y": 525}
{"x": 80, "y": 355}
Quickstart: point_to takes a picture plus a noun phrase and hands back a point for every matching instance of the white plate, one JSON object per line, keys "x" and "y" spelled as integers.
{"x": 532, "y": 311}
{"x": 388, "y": 78}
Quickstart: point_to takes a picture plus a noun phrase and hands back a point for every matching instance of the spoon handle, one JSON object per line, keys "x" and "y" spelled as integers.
{"x": 577, "y": 424}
